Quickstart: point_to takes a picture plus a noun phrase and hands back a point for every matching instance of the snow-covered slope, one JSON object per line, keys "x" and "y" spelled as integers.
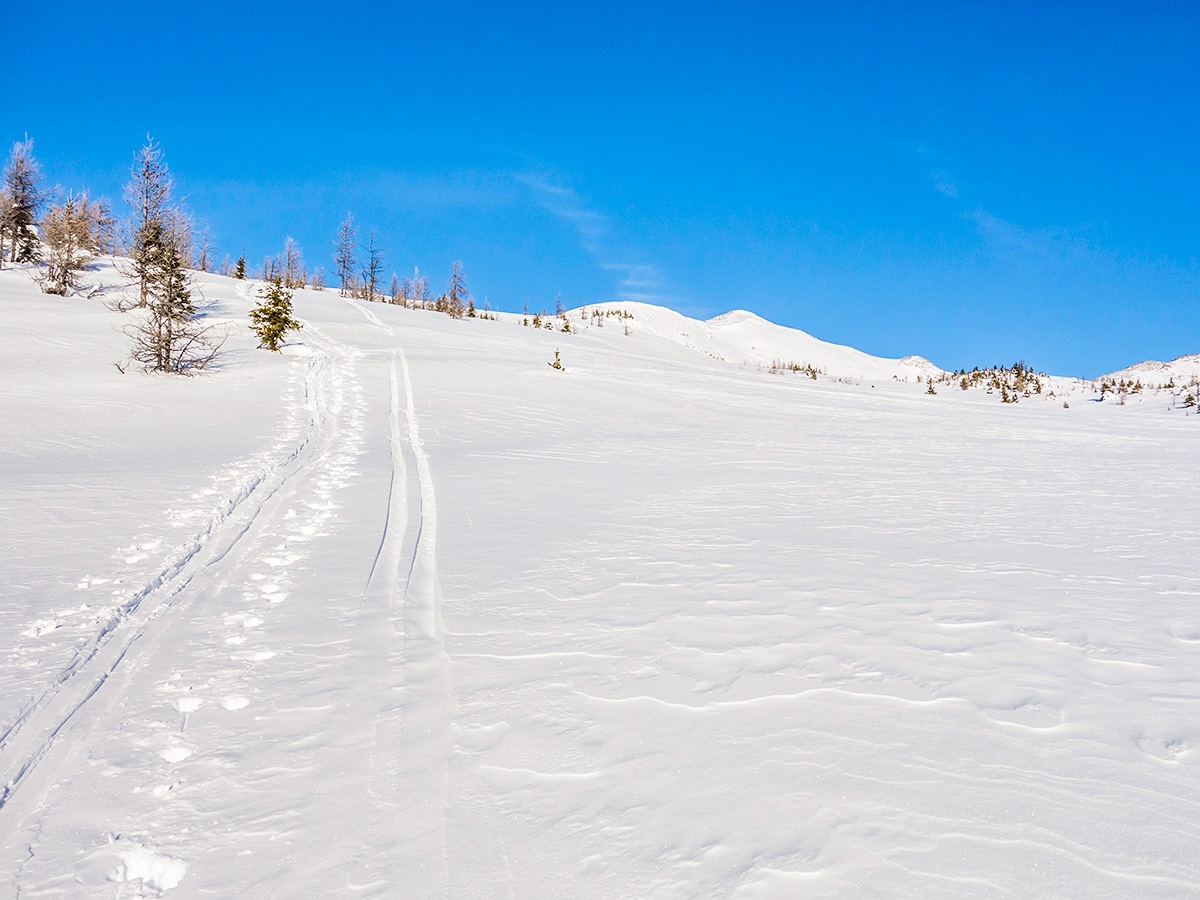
{"x": 1182, "y": 370}
{"x": 743, "y": 337}
{"x": 404, "y": 611}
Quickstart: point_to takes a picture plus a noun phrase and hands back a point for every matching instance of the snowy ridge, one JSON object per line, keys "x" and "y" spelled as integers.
{"x": 743, "y": 337}
{"x": 1182, "y": 370}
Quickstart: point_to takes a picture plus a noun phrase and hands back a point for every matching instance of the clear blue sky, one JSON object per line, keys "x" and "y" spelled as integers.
{"x": 974, "y": 183}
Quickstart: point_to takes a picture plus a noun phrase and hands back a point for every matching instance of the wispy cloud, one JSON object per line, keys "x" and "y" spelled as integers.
{"x": 1036, "y": 245}
{"x": 944, "y": 183}
{"x": 635, "y": 280}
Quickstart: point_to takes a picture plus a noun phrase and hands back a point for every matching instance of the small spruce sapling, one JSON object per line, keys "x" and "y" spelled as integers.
{"x": 557, "y": 364}
{"x": 272, "y": 319}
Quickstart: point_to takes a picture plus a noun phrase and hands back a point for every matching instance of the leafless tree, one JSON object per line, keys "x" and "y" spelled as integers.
{"x": 290, "y": 265}
{"x": 104, "y": 227}
{"x": 373, "y": 270}
{"x": 204, "y": 259}
{"x": 318, "y": 279}
{"x": 343, "y": 255}
{"x": 416, "y": 290}
{"x": 69, "y": 230}
{"x": 457, "y": 293}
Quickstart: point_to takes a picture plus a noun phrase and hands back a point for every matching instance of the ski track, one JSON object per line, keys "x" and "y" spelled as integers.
{"x": 320, "y": 743}
{"x": 399, "y": 634}
{"x": 38, "y": 723}
{"x": 52, "y": 727}
{"x": 413, "y": 805}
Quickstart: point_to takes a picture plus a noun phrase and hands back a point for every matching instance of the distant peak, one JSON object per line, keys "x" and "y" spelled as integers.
{"x": 735, "y": 317}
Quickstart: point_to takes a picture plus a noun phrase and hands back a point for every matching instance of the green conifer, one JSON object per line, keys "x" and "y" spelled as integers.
{"x": 272, "y": 319}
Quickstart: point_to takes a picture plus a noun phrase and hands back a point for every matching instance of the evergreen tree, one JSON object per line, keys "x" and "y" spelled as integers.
{"x": 272, "y": 318}
{"x": 154, "y": 225}
{"x": 22, "y": 195}
{"x": 240, "y": 272}
{"x": 167, "y": 337}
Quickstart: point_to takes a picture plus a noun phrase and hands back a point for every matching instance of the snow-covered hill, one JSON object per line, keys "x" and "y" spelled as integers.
{"x": 743, "y": 337}
{"x": 1181, "y": 370}
{"x": 404, "y": 611}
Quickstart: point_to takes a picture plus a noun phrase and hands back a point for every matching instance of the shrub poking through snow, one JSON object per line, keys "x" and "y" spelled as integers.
{"x": 557, "y": 364}
{"x": 272, "y": 319}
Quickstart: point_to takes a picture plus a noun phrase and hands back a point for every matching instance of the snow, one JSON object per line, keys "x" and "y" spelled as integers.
{"x": 743, "y": 337}
{"x": 403, "y": 610}
{"x": 1182, "y": 370}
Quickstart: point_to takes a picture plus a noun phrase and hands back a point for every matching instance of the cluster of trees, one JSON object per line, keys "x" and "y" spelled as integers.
{"x": 71, "y": 230}
{"x": 160, "y": 249}
{"x": 362, "y": 277}
{"x": 287, "y": 267}
{"x": 778, "y": 366}
{"x": 1120, "y": 386}
{"x": 61, "y": 232}
{"x": 1012, "y": 383}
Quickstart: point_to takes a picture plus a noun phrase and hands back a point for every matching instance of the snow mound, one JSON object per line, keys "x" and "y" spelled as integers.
{"x": 155, "y": 871}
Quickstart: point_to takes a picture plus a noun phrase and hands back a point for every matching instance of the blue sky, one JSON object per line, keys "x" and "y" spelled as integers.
{"x": 975, "y": 183}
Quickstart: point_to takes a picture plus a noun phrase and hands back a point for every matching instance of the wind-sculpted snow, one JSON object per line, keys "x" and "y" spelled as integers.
{"x": 408, "y": 612}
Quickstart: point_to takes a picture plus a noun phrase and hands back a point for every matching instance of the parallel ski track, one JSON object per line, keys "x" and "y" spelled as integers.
{"x": 40, "y": 723}
{"x": 410, "y": 541}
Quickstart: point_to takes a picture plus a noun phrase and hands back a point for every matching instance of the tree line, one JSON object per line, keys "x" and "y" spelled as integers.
{"x": 158, "y": 248}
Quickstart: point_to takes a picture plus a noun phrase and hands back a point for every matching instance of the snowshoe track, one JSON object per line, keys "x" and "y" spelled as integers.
{"x": 40, "y": 723}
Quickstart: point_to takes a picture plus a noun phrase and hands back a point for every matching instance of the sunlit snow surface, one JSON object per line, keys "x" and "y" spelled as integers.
{"x": 407, "y": 612}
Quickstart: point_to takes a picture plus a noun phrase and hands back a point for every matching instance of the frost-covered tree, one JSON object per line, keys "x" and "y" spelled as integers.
{"x": 23, "y": 195}
{"x": 272, "y": 318}
{"x": 343, "y": 255}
